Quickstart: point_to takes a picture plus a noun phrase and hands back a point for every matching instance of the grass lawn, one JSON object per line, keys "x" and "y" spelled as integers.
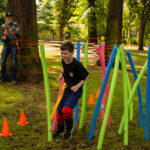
{"x": 31, "y": 98}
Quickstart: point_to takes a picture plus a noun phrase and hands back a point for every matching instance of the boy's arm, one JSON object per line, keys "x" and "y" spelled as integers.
{"x": 77, "y": 86}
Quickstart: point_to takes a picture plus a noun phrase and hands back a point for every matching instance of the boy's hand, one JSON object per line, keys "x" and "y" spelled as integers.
{"x": 74, "y": 88}
{"x": 60, "y": 77}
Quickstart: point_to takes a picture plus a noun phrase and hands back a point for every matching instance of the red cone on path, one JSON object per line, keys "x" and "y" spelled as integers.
{"x": 91, "y": 99}
{"x": 5, "y": 129}
{"x": 22, "y": 120}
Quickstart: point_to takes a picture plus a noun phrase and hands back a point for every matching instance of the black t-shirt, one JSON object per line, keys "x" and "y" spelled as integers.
{"x": 74, "y": 72}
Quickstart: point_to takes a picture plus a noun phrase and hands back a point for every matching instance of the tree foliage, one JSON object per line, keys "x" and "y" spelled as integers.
{"x": 2, "y": 11}
{"x": 45, "y": 22}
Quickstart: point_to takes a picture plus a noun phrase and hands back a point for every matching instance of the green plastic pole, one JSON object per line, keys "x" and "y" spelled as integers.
{"x": 129, "y": 91}
{"x": 47, "y": 90}
{"x": 84, "y": 90}
{"x": 109, "y": 102}
{"x": 125, "y": 95}
{"x": 132, "y": 94}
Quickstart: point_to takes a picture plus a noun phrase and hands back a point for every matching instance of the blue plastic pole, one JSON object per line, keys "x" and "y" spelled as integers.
{"x": 147, "y": 98}
{"x": 78, "y": 58}
{"x": 138, "y": 89}
{"x": 109, "y": 66}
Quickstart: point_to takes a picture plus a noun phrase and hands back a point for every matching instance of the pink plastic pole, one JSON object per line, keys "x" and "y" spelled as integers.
{"x": 101, "y": 54}
{"x": 104, "y": 71}
{"x": 103, "y": 101}
{"x": 55, "y": 119}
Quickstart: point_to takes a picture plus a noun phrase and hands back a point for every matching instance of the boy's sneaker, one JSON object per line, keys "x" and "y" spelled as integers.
{"x": 68, "y": 133}
{"x": 60, "y": 131}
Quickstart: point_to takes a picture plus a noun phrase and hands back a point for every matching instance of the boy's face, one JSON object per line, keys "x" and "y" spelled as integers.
{"x": 66, "y": 55}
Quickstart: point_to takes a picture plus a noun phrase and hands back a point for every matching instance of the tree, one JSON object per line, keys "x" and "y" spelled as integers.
{"x": 92, "y": 28}
{"x": 142, "y": 9}
{"x": 63, "y": 12}
{"x": 29, "y": 64}
{"x": 113, "y": 26}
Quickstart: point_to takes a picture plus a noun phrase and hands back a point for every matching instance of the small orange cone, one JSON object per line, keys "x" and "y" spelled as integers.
{"x": 91, "y": 99}
{"x": 98, "y": 91}
{"x": 22, "y": 120}
{"x": 5, "y": 129}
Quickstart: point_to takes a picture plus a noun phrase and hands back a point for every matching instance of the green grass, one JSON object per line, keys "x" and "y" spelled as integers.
{"x": 31, "y": 98}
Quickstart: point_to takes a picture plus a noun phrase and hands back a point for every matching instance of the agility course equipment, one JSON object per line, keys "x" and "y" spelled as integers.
{"x": 97, "y": 93}
{"x": 47, "y": 91}
{"x": 78, "y": 58}
{"x": 58, "y": 101}
{"x": 138, "y": 90}
{"x": 91, "y": 100}
{"x": 110, "y": 63}
{"x": 117, "y": 53}
{"x": 22, "y": 120}
{"x": 127, "y": 90}
{"x": 101, "y": 53}
{"x": 83, "y": 108}
{"x": 55, "y": 119}
{"x": 5, "y": 130}
{"x": 132, "y": 94}
{"x": 147, "y": 98}
{"x": 108, "y": 106}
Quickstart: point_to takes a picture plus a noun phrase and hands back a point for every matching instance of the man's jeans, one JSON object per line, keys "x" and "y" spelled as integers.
{"x": 5, "y": 53}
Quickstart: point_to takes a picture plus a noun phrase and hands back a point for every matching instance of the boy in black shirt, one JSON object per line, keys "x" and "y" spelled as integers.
{"x": 74, "y": 75}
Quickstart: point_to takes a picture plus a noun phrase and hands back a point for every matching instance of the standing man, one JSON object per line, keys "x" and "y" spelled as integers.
{"x": 9, "y": 33}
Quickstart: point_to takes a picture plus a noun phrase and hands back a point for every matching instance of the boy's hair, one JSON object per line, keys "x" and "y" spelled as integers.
{"x": 67, "y": 46}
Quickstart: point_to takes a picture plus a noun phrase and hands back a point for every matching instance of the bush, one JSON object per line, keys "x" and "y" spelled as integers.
{"x": 124, "y": 41}
{"x": 134, "y": 40}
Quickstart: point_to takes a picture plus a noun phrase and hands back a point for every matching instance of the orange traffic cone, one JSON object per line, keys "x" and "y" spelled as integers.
{"x": 97, "y": 94}
{"x": 5, "y": 129}
{"x": 22, "y": 120}
{"x": 91, "y": 99}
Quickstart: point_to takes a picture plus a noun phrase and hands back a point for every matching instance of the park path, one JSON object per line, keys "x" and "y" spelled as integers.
{"x": 52, "y": 48}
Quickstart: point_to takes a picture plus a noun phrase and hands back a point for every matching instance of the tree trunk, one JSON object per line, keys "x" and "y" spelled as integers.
{"x": 113, "y": 27}
{"x": 29, "y": 63}
{"x": 61, "y": 33}
{"x": 141, "y": 33}
{"x": 92, "y": 31}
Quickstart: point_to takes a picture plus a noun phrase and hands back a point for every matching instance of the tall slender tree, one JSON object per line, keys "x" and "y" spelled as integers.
{"x": 92, "y": 29}
{"x": 142, "y": 9}
{"x": 113, "y": 26}
{"x": 29, "y": 64}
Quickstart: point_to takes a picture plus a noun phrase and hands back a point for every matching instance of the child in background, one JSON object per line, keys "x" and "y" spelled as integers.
{"x": 74, "y": 76}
